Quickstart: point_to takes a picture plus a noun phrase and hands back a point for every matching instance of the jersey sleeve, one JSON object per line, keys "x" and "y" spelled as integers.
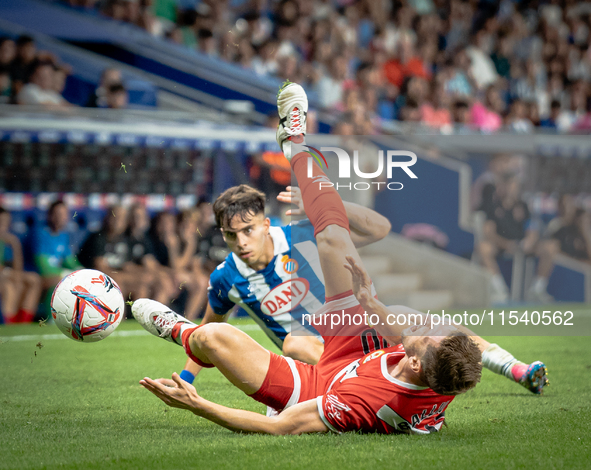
{"x": 300, "y": 231}
{"x": 217, "y": 292}
{"x": 342, "y": 412}
{"x": 344, "y": 409}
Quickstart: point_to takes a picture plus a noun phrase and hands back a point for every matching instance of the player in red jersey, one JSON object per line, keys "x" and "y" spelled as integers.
{"x": 405, "y": 388}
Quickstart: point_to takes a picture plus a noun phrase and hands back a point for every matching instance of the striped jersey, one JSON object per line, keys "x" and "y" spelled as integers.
{"x": 290, "y": 286}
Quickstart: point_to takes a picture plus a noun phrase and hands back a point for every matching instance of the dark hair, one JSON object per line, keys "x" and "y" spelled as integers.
{"x": 454, "y": 367}
{"x": 2, "y": 210}
{"x": 23, "y": 40}
{"x": 242, "y": 200}
{"x": 461, "y": 104}
{"x": 116, "y": 88}
{"x": 54, "y": 204}
{"x": 204, "y": 34}
{"x": 41, "y": 63}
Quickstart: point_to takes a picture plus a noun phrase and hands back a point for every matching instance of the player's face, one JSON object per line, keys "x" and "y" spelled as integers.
{"x": 247, "y": 238}
{"x": 4, "y": 222}
{"x": 59, "y": 217}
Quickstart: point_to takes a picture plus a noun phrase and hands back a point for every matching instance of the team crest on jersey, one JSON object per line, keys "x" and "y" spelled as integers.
{"x": 290, "y": 265}
{"x": 285, "y": 297}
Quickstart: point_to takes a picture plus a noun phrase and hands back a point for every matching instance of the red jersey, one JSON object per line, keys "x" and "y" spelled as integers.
{"x": 364, "y": 396}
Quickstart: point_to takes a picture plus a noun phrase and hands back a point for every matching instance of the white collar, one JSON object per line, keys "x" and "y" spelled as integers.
{"x": 400, "y": 383}
{"x": 280, "y": 245}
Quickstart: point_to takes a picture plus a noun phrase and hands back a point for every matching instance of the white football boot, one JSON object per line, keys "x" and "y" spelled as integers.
{"x": 158, "y": 319}
{"x": 292, "y": 105}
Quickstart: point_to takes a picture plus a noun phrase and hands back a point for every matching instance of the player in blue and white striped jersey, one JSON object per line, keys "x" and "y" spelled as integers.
{"x": 274, "y": 272}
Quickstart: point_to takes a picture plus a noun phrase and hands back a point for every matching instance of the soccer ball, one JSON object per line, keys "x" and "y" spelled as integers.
{"x": 87, "y": 305}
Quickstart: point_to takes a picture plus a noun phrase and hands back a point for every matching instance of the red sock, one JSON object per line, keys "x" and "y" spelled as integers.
{"x": 324, "y": 206}
{"x": 185, "y": 340}
{"x": 13, "y": 319}
{"x": 25, "y": 316}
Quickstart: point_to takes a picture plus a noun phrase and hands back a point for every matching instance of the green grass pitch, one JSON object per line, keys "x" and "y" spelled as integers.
{"x": 69, "y": 405}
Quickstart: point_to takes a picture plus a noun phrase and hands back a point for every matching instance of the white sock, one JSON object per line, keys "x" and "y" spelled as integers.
{"x": 539, "y": 285}
{"x": 182, "y": 328}
{"x": 291, "y": 148}
{"x": 499, "y": 361}
{"x": 499, "y": 284}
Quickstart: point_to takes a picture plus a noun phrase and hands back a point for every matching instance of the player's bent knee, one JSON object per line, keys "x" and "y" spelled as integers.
{"x": 333, "y": 235}
{"x": 212, "y": 335}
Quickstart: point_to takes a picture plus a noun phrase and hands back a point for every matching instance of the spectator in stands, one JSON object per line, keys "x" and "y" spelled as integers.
{"x": 52, "y": 248}
{"x": 60, "y": 76}
{"x": 487, "y": 116}
{"x": 24, "y": 63}
{"x": 406, "y": 63}
{"x": 142, "y": 258}
{"x": 19, "y": 290}
{"x": 7, "y": 52}
{"x": 457, "y": 75}
{"x": 551, "y": 122}
{"x": 484, "y": 194}
{"x": 482, "y": 68}
{"x": 517, "y": 120}
{"x": 39, "y": 90}
{"x": 435, "y": 112}
{"x": 508, "y": 228}
{"x": 114, "y": 9}
{"x": 5, "y": 85}
{"x": 188, "y": 267}
{"x": 116, "y": 97}
{"x": 466, "y": 46}
{"x": 164, "y": 237}
{"x": 461, "y": 117}
{"x": 108, "y": 77}
{"x": 571, "y": 229}
{"x": 212, "y": 249}
{"x": 330, "y": 87}
{"x": 206, "y": 42}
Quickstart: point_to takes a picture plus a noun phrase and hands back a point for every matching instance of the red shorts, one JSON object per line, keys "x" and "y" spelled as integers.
{"x": 290, "y": 381}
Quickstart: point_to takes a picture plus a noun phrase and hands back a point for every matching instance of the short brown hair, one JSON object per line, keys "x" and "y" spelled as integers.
{"x": 454, "y": 367}
{"x": 242, "y": 200}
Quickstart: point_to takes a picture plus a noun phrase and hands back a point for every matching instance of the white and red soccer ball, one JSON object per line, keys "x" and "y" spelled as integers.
{"x": 87, "y": 305}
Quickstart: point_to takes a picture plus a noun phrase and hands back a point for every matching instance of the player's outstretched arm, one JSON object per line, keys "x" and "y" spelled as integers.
{"x": 366, "y": 225}
{"x": 299, "y": 419}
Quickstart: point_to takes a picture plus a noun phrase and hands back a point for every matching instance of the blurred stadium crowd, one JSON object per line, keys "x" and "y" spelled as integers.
{"x": 506, "y": 226}
{"x": 38, "y": 78}
{"x": 168, "y": 257}
{"x": 460, "y": 65}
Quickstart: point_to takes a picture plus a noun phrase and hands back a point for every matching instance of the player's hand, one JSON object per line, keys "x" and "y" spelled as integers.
{"x": 361, "y": 281}
{"x": 292, "y": 195}
{"x": 176, "y": 392}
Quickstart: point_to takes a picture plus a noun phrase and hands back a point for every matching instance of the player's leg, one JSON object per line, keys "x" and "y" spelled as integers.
{"x": 323, "y": 204}
{"x": 9, "y": 293}
{"x": 496, "y": 359}
{"x": 237, "y": 356}
{"x": 242, "y": 360}
{"x": 30, "y": 296}
{"x": 307, "y": 349}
